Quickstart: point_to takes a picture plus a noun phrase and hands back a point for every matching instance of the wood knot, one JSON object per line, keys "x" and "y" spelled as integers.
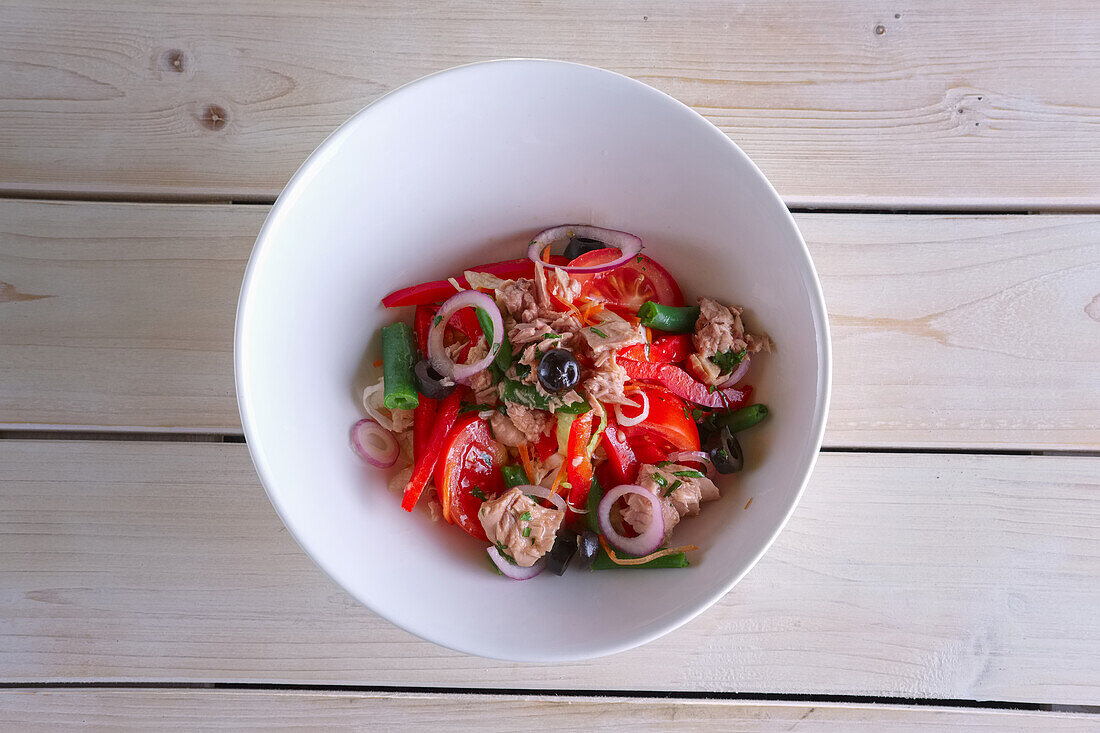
{"x": 214, "y": 117}
{"x": 174, "y": 60}
{"x": 880, "y": 29}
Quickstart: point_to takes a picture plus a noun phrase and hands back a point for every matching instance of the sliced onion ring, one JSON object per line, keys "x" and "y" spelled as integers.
{"x": 374, "y": 444}
{"x": 697, "y": 456}
{"x": 513, "y": 571}
{"x": 627, "y": 244}
{"x": 737, "y": 375}
{"x": 646, "y": 542}
{"x": 436, "y": 352}
{"x": 556, "y": 499}
{"x": 640, "y": 417}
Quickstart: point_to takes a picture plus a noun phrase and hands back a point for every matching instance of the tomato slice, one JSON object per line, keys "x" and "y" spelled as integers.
{"x": 469, "y": 462}
{"x": 625, "y": 288}
{"x": 668, "y": 428}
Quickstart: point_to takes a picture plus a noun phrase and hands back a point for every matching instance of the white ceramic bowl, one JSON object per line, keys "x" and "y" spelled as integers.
{"x": 461, "y": 168}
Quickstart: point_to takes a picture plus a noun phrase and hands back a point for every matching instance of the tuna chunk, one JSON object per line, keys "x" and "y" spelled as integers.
{"x": 505, "y": 526}
{"x": 607, "y": 382}
{"x": 517, "y": 298}
{"x": 684, "y": 501}
{"x": 719, "y": 330}
{"x": 612, "y": 333}
{"x": 521, "y": 424}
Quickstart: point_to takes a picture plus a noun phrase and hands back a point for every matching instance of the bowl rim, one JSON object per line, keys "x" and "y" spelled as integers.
{"x": 819, "y": 317}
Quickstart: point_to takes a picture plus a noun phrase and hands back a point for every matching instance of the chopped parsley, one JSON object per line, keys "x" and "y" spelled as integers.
{"x": 526, "y": 516}
{"x": 659, "y": 479}
{"x": 688, "y": 474}
{"x": 526, "y": 531}
{"x": 549, "y": 336}
{"x": 437, "y": 320}
{"x": 503, "y": 550}
{"x": 663, "y": 463}
{"x": 729, "y": 360}
{"x": 675, "y": 485}
{"x": 597, "y": 331}
{"x": 479, "y": 493}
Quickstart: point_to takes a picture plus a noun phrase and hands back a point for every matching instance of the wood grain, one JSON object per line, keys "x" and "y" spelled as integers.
{"x": 949, "y": 331}
{"x": 900, "y": 575}
{"x": 239, "y": 710}
{"x": 983, "y": 104}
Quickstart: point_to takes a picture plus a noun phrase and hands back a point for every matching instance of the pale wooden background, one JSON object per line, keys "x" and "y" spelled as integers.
{"x": 947, "y": 552}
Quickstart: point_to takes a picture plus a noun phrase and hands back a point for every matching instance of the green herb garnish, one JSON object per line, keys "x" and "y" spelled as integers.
{"x": 659, "y": 479}
{"x": 526, "y": 531}
{"x": 663, "y": 463}
{"x": 474, "y": 408}
{"x": 728, "y": 361}
{"x": 688, "y": 474}
{"x": 437, "y": 320}
{"x": 597, "y": 331}
{"x": 675, "y": 485}
{"x": 479, "y": 493}
{"x": 526, "y": 516}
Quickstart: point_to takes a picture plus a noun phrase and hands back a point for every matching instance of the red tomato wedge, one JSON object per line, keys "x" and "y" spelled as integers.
{"x": 469, "y": 462}
{"x": 668, "y": 428}
{"x": 684, "y": 385}
{"x": 625, "y": 288}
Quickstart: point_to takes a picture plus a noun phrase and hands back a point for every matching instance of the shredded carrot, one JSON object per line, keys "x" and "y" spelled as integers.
{"x": 525, "y": 457}
{"x": 748, "y": 502}
{"x": 378, "y": 362}
{"x": 566, "y": 303}
{"x": 557, "y": 479}
{"x": 632, "y": 320}
{"x": 643, "y": 560}
{"x": 589, "y": 311}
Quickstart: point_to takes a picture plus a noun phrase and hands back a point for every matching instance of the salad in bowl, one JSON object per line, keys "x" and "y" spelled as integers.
{"x": 567, "y": 409}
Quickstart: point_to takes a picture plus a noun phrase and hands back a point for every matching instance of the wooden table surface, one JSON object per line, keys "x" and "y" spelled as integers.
{"x": 943, "y": 569}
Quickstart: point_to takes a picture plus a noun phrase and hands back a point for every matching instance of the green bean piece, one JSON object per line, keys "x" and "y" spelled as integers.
{"x": 669, "y": 318}
{"x": 741, "y": 419}
{"x": 675, "y": 560}
{"x": 595, "y": 494}
{"x": 503, "y": 358}
{"x": 514, "y": 475}
{"x": 398, "y": 357}
{"x": 528, "y": 396}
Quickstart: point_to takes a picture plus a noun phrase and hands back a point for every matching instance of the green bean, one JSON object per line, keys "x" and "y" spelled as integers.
{"x": 528, "y": 396}
{"x": 741, "y": 419}
{"x": 595, "y": 494}
{"x": 503, "y": 358}
{"x": 398, "y": 357}
{"x": 668, "y": 317}
{"x": 675, "y": 560}
{"x": 514, "y": 475}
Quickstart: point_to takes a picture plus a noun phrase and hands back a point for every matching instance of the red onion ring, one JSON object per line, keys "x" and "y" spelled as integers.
{"x": 363, "y": 438}
{"x": 699, "y": 457}
{"x": 556, "y": 499}
{"x": 737, "y": 375}
{"x": 438, "y": 355}
{"x": 646, "y": 542}
{"x": 640, "y": 417}
{"x": 627, "y": 244}
{"x": 513, "y": 571}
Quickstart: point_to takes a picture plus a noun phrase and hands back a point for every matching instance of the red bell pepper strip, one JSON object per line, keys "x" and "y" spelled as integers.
{"x": 464, "y": 321}
{"x": 422, "y": 323}
{"x": 439, "y": 290}
{"x": 578, "y": 462}
{"x": 620, "y": 456}
{"x": 546, "y": 446}
{"x": 668, "y": 349}
{"x": 424, "y": 466}
{"x": 423, "y": 419}
{"x": 680, "y": 383}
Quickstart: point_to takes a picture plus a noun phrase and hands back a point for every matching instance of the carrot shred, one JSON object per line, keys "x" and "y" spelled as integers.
{"x": 748, "y": 502}
{"x": 643, "y": 560}
{"x": 378, "y": 362}
{"x": 525, "y": 458}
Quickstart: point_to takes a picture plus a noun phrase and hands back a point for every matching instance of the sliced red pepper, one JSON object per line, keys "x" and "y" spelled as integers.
{"x": 681, "y": 384}
{"x": 578, "y": 462}
{"x": 546, "y": 446}
{"x": 422, "y": 323}
{"x": 423, "y": 420}
{"x": 439, "y": 290}
{"x": 424, "y": 465}
{"x": 668, "y": 349}
{"x": 620, "y": 456}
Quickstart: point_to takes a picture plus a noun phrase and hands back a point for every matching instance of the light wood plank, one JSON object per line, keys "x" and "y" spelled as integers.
{"x": 239, "y": 710}
{"x": 985, "y": 104}
{"x": 900, "y": 575}
{"x": 949, "y": 331}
